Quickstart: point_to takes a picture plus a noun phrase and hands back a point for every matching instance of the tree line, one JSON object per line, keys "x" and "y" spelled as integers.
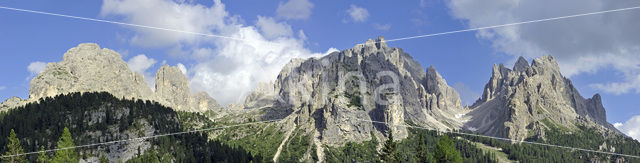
{"x": 100, "y": 117}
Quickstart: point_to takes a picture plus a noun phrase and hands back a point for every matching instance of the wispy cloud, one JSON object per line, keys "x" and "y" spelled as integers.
{"x": 36, "y": 67}
{"x": 581, "y": 45}
{"x": 382, "y": 27}
{"x": 467, "y": 96}
{"x": 294, "y": 9}
{"x": 357, "y": 14}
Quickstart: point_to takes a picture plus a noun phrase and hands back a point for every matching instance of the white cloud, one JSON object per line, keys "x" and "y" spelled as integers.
{"x": 302, "y": 36}
{"x": 619, "y": 88}
{"x": 357, "y": 14}
{"x": 140, "y": 64}
{"x": 226, "y": 69}
{"x": 182, "y": 68}
{"x": 272, "y": 29}
{"x": 239, "y": 66}
{"x": 294, "y": 9}
{"x": 382, "y": 27}
{"x": 36, "y": 67}
{"x": 581, "y": 45}
{"x": 331, "y": 50}
{"x": 2, "y": 88}
{"x": 167, "y": 14}
{"x": 631, "y": 127}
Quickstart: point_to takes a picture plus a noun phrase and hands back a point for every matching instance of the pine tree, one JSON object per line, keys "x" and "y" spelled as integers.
{"x": 446, "y": 151}
{"x": 14, "y": 149}
{"x": 65, "y": 152}
{"x": 388, "y": 151}
{"x": 42, "y": 156}
{"x": 422, "y": 151}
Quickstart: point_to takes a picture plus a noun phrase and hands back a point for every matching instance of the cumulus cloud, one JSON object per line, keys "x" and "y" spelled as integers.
{"x": 581, "y": 45}
{"x": 227, "y": 69}
{"x": 36, "y": 67}
{"x": 140, "y": 64}
{"x": 170, "y": 15}
{"x": 382, "y": 27}
{"x": 631, "y": 127}
{"x": 272, "y": 29}
{"x": 182, "y": 68}
{"x": 294, "y": 9}
{"x": 357, "y": 14}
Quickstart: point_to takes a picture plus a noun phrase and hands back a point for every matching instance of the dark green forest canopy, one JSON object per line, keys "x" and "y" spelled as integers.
{"x": 41, "y": 124}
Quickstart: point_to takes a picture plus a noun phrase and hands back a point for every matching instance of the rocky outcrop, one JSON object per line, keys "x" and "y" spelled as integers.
{"x": 10, "y": 103}
{"x": 88, "y": 68}
{"x": 518, "y": 103}
{"x": 172, "y": 88}
{"x": 338, "y": 95}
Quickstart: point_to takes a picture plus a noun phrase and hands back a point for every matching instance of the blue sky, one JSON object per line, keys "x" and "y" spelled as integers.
{"x": 598, "y": 53}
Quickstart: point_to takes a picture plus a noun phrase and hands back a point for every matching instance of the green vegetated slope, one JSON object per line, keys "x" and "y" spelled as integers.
{"x": 100, "y": 117}
{"x": 406, "y": 149}
{"x": 482, "y": 149}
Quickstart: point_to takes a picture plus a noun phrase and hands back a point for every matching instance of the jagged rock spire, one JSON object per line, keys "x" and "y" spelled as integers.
{"x": 517, "y": 101}
{"x": 521, "y": 64}
{"x": 88, "y": 68}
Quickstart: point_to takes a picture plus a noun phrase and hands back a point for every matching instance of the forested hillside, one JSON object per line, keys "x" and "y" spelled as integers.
{"x": 100, "y": 117}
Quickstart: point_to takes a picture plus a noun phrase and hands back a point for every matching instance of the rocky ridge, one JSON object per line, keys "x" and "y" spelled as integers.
{"x": 88, "y": 68}
{"x": 521, "y": 102}
{"x": 334, "y": 97}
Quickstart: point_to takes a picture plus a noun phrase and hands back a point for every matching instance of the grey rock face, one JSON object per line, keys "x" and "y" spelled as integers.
{"x": 10, "y": 103}
{"x": 332, "y": 95}
{"x": 521, "y": 64}
{"x": 87, "y": 68}
{"x": 172, "y": 88}
{"x": 515, "y": 103}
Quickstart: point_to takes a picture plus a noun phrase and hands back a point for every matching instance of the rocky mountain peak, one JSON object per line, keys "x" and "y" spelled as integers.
{"x": 517, "y": 100}
{"x": 91, "y": 52}
{"x": 521, "y": 64}
{"x": 88, "y": 68}
{"x": 330, "y": 95}
{"x": 546, "y": 64}
{"x": 172, "y": 87}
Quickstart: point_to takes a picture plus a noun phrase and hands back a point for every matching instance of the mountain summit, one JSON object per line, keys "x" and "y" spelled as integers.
{"x": 353, "y": 99}
{"x": 87, "y": 68}
{"x": 520, "y": 102}
{"x": 335, "y": 97}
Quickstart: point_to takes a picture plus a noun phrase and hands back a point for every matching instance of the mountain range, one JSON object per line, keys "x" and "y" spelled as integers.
{"x": 351, "y": 96}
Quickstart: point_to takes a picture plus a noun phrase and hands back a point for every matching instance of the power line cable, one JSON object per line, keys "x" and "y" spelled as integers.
{"x": 505, "y": 139}
{"x": 143, "y": 138}
{"x": 512, "y": 24}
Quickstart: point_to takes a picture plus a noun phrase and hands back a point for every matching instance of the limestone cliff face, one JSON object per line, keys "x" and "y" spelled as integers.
{"x": 172, "y": 88}
{"x": 517, "y": 103}
{"x": 88, "y": 68}
{"x": 332, "y": 95}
